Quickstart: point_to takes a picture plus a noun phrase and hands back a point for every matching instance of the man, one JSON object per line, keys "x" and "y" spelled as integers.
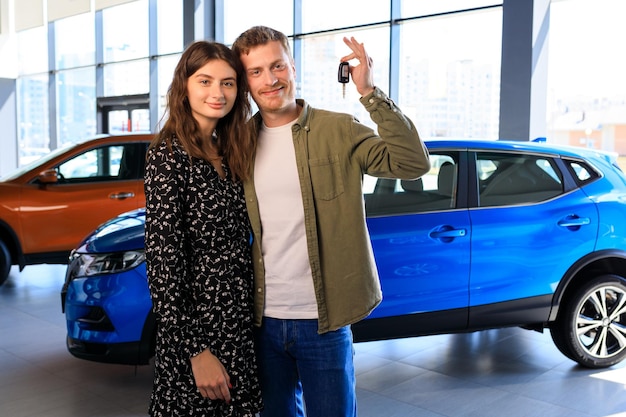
{"x": 314, "y": 269}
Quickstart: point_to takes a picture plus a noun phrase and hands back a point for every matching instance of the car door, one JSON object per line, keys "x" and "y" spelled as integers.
{"x": 94, "y": 186}
{"x": 420, "y": 235}
{"x": 527, "y": 230}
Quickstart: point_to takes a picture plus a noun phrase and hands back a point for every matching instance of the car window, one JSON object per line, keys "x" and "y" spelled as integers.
{"x": 104, "y": 163}
{"x": 582, "y": 172}
{"x": 507, "y": 179}
{"x": 132, "y": 163}
{"x": 436, "y": 190}
{"x": 36, "y": 163}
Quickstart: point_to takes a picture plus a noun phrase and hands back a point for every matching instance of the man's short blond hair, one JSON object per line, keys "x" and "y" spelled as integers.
{"x": 259, "y": 35}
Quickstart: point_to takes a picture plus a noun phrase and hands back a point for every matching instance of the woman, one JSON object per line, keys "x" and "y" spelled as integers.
{"x": 197, "y": 241}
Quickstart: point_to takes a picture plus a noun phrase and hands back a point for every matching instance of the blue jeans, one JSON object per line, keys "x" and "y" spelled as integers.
{"x": 297, "y": 366}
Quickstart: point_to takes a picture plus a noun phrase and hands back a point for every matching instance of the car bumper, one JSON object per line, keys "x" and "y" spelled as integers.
{"x": 109, "y": 316}
{"x": 132, "y": 353}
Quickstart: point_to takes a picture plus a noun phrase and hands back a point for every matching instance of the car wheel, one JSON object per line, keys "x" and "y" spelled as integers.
{"x": 591, "y": 325}
{"x": 5, "y": 262}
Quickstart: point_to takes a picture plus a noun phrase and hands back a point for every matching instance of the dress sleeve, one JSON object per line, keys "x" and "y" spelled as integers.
{"x": 167, "y": 251}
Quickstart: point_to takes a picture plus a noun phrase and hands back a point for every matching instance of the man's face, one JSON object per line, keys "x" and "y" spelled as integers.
{"x": 272, "y": 79}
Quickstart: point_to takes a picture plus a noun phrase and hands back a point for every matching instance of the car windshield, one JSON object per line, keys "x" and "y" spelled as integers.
{"x": 21, "y": 170}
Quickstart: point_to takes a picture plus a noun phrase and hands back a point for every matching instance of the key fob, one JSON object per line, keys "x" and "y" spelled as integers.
{"x": 343, "y": 75}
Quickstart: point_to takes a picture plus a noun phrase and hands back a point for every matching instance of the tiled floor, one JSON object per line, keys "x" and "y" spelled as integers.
{"x": 500, "y": 373}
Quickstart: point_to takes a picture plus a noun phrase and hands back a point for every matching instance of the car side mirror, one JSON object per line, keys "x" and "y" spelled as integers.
{"x": 48, "y": 176}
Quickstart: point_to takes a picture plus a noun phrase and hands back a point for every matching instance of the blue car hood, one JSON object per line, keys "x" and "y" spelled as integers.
{"x": 122, "y": 233}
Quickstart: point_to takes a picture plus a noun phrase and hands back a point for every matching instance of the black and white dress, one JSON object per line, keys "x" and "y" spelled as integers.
{"x": 200, "y": 277}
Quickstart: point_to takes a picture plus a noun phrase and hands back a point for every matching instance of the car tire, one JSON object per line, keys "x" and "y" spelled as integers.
{"x": 591, "y": 325}
{"x": 5, "y": 262}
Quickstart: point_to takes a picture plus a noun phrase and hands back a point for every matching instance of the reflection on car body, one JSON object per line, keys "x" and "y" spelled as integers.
{"x": 497, "y": 234}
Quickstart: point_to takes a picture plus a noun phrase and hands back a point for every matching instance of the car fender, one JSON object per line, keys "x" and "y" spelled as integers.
{"x": 9, "y": 237}
{"x": 611, "y": 261}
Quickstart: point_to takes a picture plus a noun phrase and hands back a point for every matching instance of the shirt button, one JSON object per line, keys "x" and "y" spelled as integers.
{"x": 259, "y": 290}
{"x": 371, "y": 100}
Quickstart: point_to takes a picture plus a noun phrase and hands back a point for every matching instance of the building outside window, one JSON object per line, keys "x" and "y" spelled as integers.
{"x": 32, "y": 95}
{"x": 75, "y": 58}
{"x": 440, "y": 61}
{"x": 586, "y": 89}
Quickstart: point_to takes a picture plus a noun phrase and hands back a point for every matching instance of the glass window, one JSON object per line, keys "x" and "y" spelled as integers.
{"x": 240, "y": 15}
{"x": 415, "y": 8}
{"x": 434, "y": 191}
{"x": 450, "y": 74}
{"x": 112, "y": 162}
{"x": 125, "y": 31}
{"x": 119, "y": 122}
{"x": 508, "y": 179}
{"x": 170, "y": 26}
{"x": 331, "y": 14}
{"x": 96, "y": 164}
{"x": 127, "y": 78}
{"x": 132, "y": 163}
{"x": 75, "y": 42}
{"x": 166, "y": 66}
{"x": 582, "y": 172}
{"x": 76, "y": 105}
{"x": 321, "y": 54}
{"x": 132, "y": 120}
{"x": 140, "y": 120}
{"x": 32, "y": 118}
{"x": 586, "y": 90}
{"x": 32, "y": 51}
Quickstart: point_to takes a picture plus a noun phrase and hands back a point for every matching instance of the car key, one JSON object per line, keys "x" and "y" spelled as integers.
{"x": 343, "y": 76}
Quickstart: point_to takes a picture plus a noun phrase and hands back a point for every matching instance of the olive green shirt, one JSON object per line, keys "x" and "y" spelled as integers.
{"x": 333, "y": 151}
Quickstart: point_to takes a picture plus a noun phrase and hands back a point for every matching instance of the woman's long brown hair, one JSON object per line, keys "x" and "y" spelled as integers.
{"x": 235, "y": 141}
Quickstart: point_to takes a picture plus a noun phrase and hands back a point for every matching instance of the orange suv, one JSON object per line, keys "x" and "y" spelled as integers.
{"x": 49, "y": 206}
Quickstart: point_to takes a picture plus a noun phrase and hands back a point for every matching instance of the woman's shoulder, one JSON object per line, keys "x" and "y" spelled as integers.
{"x": 168, "y": 152}
{"x": 168, "y": 146}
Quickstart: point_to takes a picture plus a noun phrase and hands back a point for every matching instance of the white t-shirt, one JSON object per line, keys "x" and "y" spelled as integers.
{"x": 289, "y": 292}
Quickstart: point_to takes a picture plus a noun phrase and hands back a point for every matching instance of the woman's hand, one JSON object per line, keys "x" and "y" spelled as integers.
{"x": 211, "y": 377}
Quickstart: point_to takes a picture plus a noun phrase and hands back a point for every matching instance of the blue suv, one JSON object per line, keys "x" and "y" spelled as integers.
{"x": 497, "y": 234}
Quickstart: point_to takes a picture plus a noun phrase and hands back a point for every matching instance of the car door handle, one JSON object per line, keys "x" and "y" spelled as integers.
{"x": 574, "y": 221}
{"x": 121, "y": 196}
{"x": 447, "y": 233}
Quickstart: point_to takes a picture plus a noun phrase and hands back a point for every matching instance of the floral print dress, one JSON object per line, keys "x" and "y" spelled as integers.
{"x": 200, "y": 277}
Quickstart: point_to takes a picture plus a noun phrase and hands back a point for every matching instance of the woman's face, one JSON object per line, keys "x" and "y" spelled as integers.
{"x": 212, "y": 91}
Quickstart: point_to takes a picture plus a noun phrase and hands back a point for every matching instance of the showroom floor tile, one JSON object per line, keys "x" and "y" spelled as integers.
{"x": 496, "y": 373}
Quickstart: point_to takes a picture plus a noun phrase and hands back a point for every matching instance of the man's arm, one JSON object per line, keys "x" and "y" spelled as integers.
{"x": 401, "y": 153}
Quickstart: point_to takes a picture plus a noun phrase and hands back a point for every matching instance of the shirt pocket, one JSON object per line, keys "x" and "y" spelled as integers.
{"x": 326, "y": 177}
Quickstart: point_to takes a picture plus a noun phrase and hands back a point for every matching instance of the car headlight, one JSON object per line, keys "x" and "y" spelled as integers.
{"x": 86, "y": 265}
